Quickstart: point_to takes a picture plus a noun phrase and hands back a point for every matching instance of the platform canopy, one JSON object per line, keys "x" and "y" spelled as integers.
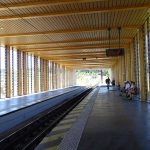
{"x": 67, "y": 31}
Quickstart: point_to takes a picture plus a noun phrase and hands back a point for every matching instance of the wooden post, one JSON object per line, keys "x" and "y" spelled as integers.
{"x": 101, "y": 76}
{"x": 36, "y": 82}
{"x": 53, "y": 82}
{"x": 141, "y": 65}
{"x": 58, "y": 75}
{"x": 63, "y": 76}
{"x": 41, "y": 74}
{"x": 128, "y": 64}
{"x": 19, "y": 62}
{"x": 50, "y": 74}
{"x": 47, "y": 75}
{"x": 124, "y": 68}
{"x": 8, "y": 84}
{"x": 132, "y": 62}
{"x": 66, "y": 77}
{"x": 24, "y": 73}
{"x": 118, "y": 68}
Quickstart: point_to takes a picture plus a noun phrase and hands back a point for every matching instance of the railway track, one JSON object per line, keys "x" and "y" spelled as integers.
{"x": 29, "y": 135}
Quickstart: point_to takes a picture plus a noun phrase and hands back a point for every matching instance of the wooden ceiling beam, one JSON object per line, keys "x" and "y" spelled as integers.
{"x": 76, "y": 12}
{"x": 68, "y": 31}
{"x": 100, "y": 64}
{"x": 76, "y": 47}
{"x": 72, "y": 61}
{"x": 71, "y": 41}
{"x": 78, "y": 53}
{"x": 89, "y": 66}
{"x": 41, "y": 3}
{"x": 76, "y": 56}
{"x": 101, "y": 57}
{"x": 88, "y": 61}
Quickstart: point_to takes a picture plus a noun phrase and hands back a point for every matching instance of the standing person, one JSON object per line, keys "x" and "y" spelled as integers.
{"x": 108, "y": 82}
{"x": 113, "y": 82}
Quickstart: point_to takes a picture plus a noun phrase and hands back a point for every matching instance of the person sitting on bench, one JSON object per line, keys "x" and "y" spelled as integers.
{"x": 126, "y": 87}
{"x": 131, "y": 91}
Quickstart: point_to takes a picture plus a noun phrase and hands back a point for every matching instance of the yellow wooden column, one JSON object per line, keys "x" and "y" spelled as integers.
{"x": 112, "y": 72}
{"x": 132, "y": 61}
{"x": 67, "y": 79}
{"x": 19, "y": 72}
{"x": 116, "y": 73}
{"x": 121, "y": 70}
{"x": 58, "y": 75}
{"x": 44, "y": 75}
{"x": 71, "y": 77}
{"x": 127, "y": 62}
{"x": 43, "y": 81}
{"x": 46, "y": 79}
{"x": 123, "y": 73}
{"x": 141, "y": 65}
{"x": 74, "y": 77}
{"x": 41, "y": 75}
{"x": 24, "y": 73}
{"x": 68, "y": 76}
{"x": 118, "y": 70}
{"x": 50, "y": 72}
{"x": 63, "y": 76}
{"x": 36, "y": 82}
{"x": 7, "y": 59}
{"x": 47, "y": 75}
{"x": 61, "y": 72}
{"x": 53, "y": 74}
{"x": 124, "y": 76}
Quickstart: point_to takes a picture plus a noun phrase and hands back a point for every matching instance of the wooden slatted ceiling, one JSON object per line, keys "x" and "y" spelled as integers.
{"x": 70, "y": 29}
{"x": 45, "y": 46}
{"x": 72, "y": 53}
{"x": 99, "y": 35}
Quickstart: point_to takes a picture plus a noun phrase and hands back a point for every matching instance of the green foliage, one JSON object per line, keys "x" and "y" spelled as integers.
{"x": 89, "y": 77}
{"x": 91, "y": 72}
{"x": 106, "y": 73}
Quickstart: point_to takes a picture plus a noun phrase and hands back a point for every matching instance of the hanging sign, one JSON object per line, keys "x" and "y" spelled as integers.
{"x": 114, "y": 52}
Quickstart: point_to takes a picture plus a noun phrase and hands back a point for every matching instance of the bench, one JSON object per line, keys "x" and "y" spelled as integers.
{"x": 136, "y": 94}
{"x": 123, "y": 92}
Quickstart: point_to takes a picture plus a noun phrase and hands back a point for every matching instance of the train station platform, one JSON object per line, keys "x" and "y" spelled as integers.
{"x": 12, "y": 104}
{"x": 106, "y": 122}
{"x": 18, "y": 110}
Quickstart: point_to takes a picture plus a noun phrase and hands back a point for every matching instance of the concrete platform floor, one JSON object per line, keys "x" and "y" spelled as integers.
{"x": 11, "y": 104}
{"x": 116, "y": 124}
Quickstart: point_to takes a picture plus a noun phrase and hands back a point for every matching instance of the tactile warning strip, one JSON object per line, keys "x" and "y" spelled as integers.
{"x": 72, "y": 138}
{"x": 54, "y": 138}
